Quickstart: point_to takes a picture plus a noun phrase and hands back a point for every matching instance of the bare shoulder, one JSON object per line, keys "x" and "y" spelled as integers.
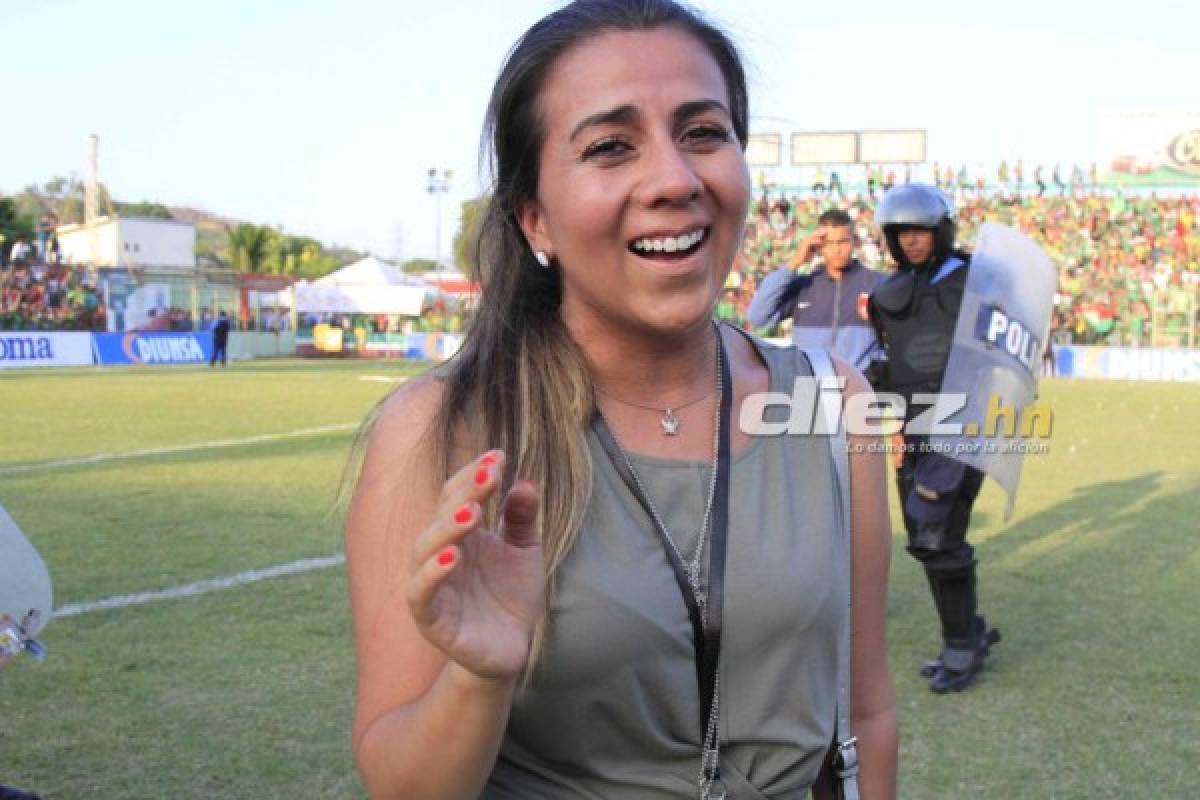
{"x": 403, "y": 432}
{"x": 749, "y": 371}
{"x": 855, "y": 382}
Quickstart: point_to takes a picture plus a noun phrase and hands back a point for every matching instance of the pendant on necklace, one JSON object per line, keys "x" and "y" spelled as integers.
{"x": 670, "y": 423}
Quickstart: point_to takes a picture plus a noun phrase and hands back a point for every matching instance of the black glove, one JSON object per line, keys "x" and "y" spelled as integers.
{"x": 876, "y": 374}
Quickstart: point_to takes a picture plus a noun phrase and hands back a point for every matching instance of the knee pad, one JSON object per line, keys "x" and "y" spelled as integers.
{"x": 939, "y": 548}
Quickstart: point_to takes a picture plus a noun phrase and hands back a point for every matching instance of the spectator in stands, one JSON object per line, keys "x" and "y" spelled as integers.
{"x": 20, "y": 253}
{"x": 819, "y": 184}
{"x": 1056, "y": 176}
{"x": 835, "y": 185}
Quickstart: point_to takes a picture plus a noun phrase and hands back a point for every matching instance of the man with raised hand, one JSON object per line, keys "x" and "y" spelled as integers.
{"x": 827, "y": 306}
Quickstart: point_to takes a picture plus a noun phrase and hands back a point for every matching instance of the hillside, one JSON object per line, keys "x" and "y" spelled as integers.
{"x": 278, "y": 251}
{"x": 212, "y": 238}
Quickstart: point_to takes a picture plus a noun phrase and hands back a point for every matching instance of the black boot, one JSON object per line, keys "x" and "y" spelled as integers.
{"x": 957, "y": 667}
{"x": 965, "y": 634}
{"x": 990, "y": 637}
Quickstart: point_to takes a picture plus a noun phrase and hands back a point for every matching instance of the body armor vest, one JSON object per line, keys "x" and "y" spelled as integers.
{"x": 914, "y": 317}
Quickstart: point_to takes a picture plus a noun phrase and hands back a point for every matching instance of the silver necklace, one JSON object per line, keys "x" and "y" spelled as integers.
{"x": 693, "y": 565}
{"x": 670, "y": 422}
{"x": 710, "y": 787}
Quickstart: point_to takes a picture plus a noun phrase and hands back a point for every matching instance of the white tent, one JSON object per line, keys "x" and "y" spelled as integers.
{"x": 370, "y": 271}
{"x": 369, "y": 286}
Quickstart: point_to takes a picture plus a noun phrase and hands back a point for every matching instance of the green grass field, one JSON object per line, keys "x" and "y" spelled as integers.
{"x": 246, "y": 693}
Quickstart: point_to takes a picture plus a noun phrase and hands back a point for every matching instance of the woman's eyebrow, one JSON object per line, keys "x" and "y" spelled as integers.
{"x": 693, "y": 108}
{"x": 628, "y": 114}
{"x": 621, "y": 115}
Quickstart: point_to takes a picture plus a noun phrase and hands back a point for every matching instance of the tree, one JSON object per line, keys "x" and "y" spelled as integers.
{"x": 301, "y": 256}
{"x": 144, "y": 209}
{"x": 250, "y": 246}
{"x": 418, "y": 266}
{"x": 63, "y": 197}
{"x": 13, "y": 226}
{"x": 470, "y": 218}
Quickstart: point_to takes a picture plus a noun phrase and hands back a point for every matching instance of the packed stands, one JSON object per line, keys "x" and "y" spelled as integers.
{"x": 35, "y": 295}
{"x": 1129, "y": 265}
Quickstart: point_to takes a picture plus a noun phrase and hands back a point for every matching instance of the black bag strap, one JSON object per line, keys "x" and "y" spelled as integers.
{"x": 706, "y": 629}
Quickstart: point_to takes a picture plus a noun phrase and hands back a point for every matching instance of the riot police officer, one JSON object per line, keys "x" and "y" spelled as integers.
{"x": 914, "y": 313}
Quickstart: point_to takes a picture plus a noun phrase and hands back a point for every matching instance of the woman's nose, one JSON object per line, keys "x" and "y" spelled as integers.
{"x": 670, "y": 176}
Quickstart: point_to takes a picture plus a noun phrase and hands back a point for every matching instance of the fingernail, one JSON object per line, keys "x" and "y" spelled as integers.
{"x": 463, "y": 515}
{"x": 481, "y": 477}
{"x": 446, "y": 557}
{"x": 488, "y": 460}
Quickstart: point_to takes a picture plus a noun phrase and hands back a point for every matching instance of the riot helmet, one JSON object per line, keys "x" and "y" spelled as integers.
{"x": 917, "y": 205}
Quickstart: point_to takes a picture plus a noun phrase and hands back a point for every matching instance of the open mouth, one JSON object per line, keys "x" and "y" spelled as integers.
{"x": 669, "y": 248}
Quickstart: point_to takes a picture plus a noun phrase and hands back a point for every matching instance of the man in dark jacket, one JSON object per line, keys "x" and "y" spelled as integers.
{"x": 828, "y": 305}
{"x": 220, "y": 340}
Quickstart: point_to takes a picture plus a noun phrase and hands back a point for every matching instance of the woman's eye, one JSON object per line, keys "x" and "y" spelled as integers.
{"x": 707, "y": 133}
{"x": 606, "y": 148}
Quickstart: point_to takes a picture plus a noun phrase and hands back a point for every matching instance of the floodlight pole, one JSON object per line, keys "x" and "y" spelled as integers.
{"x": 439, "y": 184}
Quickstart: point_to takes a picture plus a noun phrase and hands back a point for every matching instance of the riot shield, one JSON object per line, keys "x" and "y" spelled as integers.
{"x": 989, "y": 389}
{"x": 26, "y": 596}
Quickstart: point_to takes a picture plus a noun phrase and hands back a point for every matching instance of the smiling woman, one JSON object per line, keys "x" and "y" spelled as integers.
{"x": 605, "y": 589}
{"x": 642, "y": 186}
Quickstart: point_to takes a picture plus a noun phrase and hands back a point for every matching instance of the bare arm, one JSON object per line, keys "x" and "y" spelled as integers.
{"x": 872, "y": 701}
{"x": 438, "y": 658}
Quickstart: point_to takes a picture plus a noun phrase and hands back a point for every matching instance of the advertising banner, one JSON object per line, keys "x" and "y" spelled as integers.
{"x": 1128, "y": 363}
{"x": 153, "y": 348}
{"x": 44, "y": 349}
{"x": 429, "y": 346}
{"x": 1150, "y": 147}
{"x": 326, "y": 339}
{"x": 118, "y": 285}
{"x": 891, "y": 147}
{"x": 764, "y": 150}
{"x": 147, "y": 307}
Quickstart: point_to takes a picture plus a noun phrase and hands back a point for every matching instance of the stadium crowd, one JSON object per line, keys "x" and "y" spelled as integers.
{"x": 1129, "y": 264}
{"x": 36, "y": 294}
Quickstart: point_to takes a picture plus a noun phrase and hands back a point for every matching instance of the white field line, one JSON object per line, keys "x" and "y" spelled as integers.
{"x": 97, "y": 458}
{"x": 200, "y": 587}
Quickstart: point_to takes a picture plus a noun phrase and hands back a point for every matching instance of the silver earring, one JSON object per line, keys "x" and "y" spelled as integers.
{"x": 542, "y": 259}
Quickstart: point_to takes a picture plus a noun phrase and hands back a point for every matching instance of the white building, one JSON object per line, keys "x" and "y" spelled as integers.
{"x": 137, "y": 242}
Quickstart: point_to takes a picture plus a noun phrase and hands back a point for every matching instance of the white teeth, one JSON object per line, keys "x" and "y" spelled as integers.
{"x": 669, "y": 244}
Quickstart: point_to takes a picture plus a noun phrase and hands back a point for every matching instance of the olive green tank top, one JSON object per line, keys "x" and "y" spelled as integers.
{"x": 612, "y": 711}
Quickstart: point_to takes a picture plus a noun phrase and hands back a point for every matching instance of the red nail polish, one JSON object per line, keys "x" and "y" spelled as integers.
{"x": 481, "y": 476}
{"x": 463, "y": 515}
{"x": 488, "y": 460}
{"x": 446, "y": 557}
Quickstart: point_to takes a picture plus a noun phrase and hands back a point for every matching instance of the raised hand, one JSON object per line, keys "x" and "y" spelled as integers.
{"x": 477, "y": 593}
{"x": 812, "y": 244}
